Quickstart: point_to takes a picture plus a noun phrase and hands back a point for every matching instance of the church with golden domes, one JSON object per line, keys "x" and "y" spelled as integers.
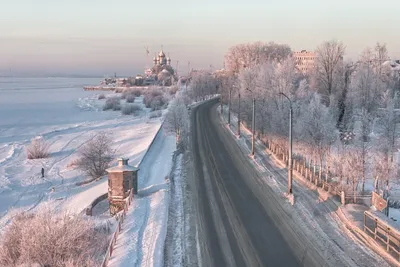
{"x": 161, "y": 59}
{"x": 162, "y": 71}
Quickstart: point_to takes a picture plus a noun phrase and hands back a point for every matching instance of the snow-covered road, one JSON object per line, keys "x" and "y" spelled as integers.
{"x": 313, "y": 212}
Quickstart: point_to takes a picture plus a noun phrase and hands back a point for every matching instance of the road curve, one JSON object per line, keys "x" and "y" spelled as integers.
{"x": 238, "y": 224}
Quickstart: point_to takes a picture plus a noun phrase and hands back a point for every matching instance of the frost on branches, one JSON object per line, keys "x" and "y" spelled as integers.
{"x": 344, "y": 112}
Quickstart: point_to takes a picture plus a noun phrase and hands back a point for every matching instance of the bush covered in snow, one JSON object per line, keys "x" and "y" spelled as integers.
{"x": 101, "y": 96}
{"x": 48, "y": 238}
{"x": 155, "y": 99}
{"x": 38, "y": 149}
{"x": 137, "y": 92}
{"x": 113, "y": 103}
{"x": 155, "y": 114}
{"x": 129, "y": 109}
{"x": 130, "y": 98}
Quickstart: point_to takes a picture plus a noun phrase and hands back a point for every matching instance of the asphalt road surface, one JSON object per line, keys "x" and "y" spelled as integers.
{"x": 239, "y": 224}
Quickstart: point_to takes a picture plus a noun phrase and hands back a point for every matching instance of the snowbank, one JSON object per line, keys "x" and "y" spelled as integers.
{"x": 141, "y": 241}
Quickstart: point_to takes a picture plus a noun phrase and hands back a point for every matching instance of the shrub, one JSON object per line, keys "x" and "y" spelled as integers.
{"x": 155, "y": 114}
{"x": 119, "y": 90}
{"x": 137, "y": 92}
{"x": 96, "y": 155}
{"x": 125, "y": 93}
{"x": 130, "y": 98}
{"x": 50, "y": 238}
{"x": 172, "y": 90}
{"x": 148, "y": 97}
{"x": 38, "y": 149}
{"x": 101, "y": 96}
{"x": 129, "y": 109}
{"x": 157, "y": 103}
{"x": 155, "y": 99}
{"x": 113, "y": 103}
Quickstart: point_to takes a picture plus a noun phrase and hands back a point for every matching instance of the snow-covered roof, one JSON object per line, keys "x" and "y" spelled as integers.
{"x": 394, "y": 64}
{"x": 122, "y": 167}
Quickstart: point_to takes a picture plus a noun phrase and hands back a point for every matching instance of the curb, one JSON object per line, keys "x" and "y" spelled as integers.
{"x": 151, "y": 143}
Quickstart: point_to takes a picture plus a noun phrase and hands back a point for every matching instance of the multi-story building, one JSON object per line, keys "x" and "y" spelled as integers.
{"x": 305, "y": 60}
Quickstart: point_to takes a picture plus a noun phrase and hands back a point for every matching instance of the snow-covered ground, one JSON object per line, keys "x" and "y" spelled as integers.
{"x": 141, "y": 241}
{"x": 67, "y": 117}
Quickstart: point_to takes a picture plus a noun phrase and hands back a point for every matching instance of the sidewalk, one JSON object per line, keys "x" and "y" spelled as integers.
{"x": 141, "y": 240}
{"x": 317, "y": 210}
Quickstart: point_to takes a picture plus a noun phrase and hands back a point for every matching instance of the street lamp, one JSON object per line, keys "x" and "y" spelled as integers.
{"x": 229, "y": 106}
{"x": 253, "y": 126}
{"x": 239, "y": 116}
{"x": 253, "y": 122}
{"x": 290, "y": 173}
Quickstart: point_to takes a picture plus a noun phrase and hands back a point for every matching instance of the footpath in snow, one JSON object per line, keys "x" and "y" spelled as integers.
{"x": 141, "y": 240}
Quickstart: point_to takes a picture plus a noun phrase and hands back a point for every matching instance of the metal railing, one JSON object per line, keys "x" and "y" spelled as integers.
{"x": 383, "y": 232}
{"x": 120, "y": 219}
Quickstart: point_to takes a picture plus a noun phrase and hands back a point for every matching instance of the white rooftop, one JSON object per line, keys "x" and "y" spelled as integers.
{"x": 122, "y": 167}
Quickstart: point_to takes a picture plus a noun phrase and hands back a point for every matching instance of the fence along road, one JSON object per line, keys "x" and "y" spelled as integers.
{"x": 238, "y": 223}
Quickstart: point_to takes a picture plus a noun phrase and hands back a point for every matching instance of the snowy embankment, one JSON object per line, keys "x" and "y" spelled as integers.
{"x": 141, "y": 241}
{"x": 22, "y": 187}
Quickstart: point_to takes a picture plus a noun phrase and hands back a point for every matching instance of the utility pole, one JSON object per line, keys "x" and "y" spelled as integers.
{"x": 253, "y": 126}
{"x": 239, "y": 117}
{"x": 187, "y": 77}
{"x": 290, "y": 173}
{"x": 229, "y": 106}
{"x": 253, "y": 122}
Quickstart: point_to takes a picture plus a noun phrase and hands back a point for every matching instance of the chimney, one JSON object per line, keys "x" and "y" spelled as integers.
{"x": 122, "y": 162}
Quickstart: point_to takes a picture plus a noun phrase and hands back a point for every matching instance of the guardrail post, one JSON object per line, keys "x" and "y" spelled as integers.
{"x": 343, "y": 199}
{"x": 387, "y": 239}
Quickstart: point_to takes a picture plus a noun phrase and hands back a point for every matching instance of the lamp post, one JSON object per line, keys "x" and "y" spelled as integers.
{"x": 290, "y": 173}
{"x": 253, "y": 126}
{"x": 239, "y": 116}
{"x": 229, "y": 106}
{"x": 253, "y": 122}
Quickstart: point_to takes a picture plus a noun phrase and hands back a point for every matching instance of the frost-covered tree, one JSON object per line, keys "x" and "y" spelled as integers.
{"x": 316, "y": 127}
{"x": 48, "y": 237}
{"x": 381, "y": 55}
{"x": 329, "y": 59}
{"x": 247, "y": 55}
{"x": 177, "y": 121}
{"x": 95, "y": 156}
{"x": 387, "y": 139}
{"x": 202, "y": 84}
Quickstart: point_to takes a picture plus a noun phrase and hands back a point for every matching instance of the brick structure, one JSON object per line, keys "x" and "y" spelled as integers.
{"x": 305, "y": 60}
{"x": 121, "y": 179}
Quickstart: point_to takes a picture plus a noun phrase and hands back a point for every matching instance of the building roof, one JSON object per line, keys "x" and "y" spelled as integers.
{"x": 161, "y": 54}
{"x": 122, "y": 167}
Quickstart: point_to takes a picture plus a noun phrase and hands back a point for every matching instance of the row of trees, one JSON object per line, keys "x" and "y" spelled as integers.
{"x": 344, "y": 112}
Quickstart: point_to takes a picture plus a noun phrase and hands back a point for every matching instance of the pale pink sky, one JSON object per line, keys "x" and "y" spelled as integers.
{"x": 100, "y": 37}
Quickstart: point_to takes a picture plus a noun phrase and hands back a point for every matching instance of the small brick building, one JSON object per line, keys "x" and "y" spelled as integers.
{"x": 121, "y": 179}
